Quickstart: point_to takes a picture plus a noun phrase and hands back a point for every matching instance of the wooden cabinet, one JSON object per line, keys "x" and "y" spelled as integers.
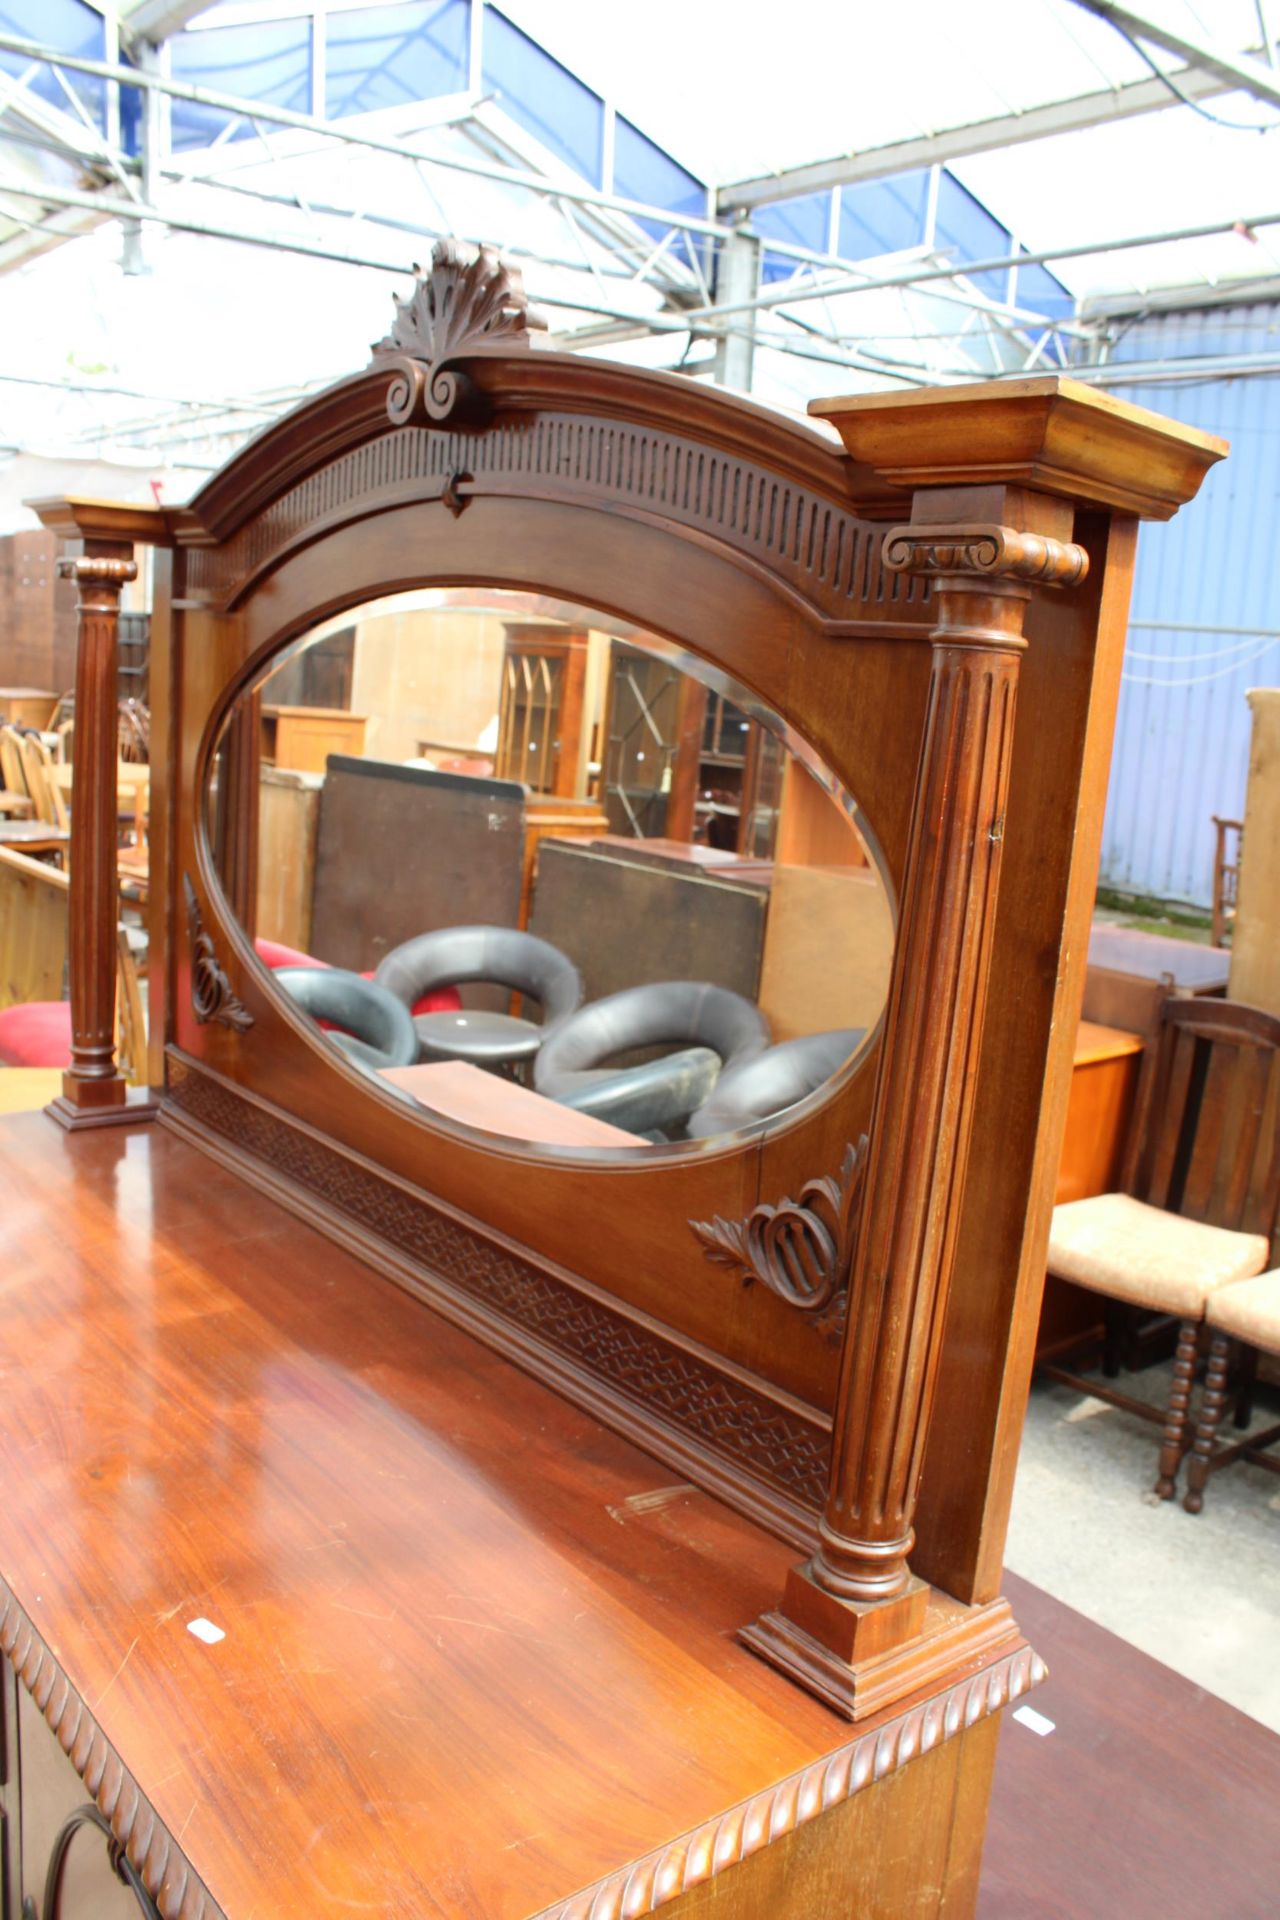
{"x": 303, "y": 737}
{"x": 542, "y": 739}
{"x": 1103, "y": 1082}
{"x": 27, "y": 706}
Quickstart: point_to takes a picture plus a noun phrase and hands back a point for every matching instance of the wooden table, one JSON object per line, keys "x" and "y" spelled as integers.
{"x": 133, "y": 784}
{"x": 459, "y": 1091}
{"x": 1194, "y": 969}
{"x": 1150, "y": 1800}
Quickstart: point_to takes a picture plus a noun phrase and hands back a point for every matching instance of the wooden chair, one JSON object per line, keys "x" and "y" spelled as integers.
{"x": 35, "y": 1019}
{"x": 1247, "y": 1316}
{"x": 1201, "y": 1190}
{"x": 46, "y": 795}
{"x": 1226, "y": 876}
{"x": 14, "y": 797}
{"x": 33, "y": 929}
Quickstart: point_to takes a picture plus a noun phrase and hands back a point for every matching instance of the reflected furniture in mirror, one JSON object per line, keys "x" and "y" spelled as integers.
{"x": 493, "y": 956}
{"x": 517, "y": 1526}
{"x": 304, "y": 737}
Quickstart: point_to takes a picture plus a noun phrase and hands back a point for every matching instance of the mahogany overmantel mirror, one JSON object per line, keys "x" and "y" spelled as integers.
{"x": 768, "y": 759}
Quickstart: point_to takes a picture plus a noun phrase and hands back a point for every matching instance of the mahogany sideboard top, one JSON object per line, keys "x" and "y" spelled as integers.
{"x": 465, "y": 1625}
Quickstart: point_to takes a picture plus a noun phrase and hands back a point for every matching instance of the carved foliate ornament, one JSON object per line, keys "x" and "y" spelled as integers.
{"x": 468, "y": 298}
{"x": 212, "y": 997}
{"x": 800, "y": 1249}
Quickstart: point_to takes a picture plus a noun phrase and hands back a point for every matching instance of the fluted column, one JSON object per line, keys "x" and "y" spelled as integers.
{"x": 856, "y": 1597}
{"x": 93, "y": 1089}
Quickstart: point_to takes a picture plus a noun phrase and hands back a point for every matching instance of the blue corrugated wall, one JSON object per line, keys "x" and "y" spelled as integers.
{"x": 1182, "y": 737}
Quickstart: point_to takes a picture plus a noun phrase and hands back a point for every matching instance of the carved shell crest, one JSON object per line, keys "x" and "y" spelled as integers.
{"x": 800, "y": 1249}
{"x": 468, "y": 298}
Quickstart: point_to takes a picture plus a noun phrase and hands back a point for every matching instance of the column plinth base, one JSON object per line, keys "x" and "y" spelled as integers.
{"x": 129, "y": 1108}
{"x": 918, "y": 1639}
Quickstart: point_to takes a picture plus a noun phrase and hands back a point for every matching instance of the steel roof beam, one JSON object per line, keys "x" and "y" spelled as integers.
{"x": 157, "y": 20}
{"x": 1239, "y": 71}
{"x": 309, "y": 123}
{"x": 980, "y": 136}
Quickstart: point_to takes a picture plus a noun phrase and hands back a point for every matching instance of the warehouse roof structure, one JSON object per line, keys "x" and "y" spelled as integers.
{"x": 201, "y": 207}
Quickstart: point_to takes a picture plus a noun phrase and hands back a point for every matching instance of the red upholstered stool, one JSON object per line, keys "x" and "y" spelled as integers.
{"x": 37, "y": 1034}
{"x": 272, "y": 954}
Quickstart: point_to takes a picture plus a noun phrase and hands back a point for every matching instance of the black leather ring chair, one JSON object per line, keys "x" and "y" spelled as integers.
{"x": 765, "y": 1086}
{"x": 498, "y": 956}
{"x": 371, "y": 1026}
{"x": 712, "y": 1027}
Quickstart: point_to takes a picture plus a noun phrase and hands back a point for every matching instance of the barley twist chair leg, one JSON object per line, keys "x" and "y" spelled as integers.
{"x": 1174, "y": 1443}
{"x": 1211, "y": 1409}
{"x": 1248, "y": 1372}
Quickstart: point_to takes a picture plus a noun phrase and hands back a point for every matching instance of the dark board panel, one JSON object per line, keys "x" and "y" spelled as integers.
{"x": 624, "y": 922}
{"x": 402, "y": 851}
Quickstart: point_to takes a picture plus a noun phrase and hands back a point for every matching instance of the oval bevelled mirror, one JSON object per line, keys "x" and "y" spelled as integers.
{"x": 548, "y": 876}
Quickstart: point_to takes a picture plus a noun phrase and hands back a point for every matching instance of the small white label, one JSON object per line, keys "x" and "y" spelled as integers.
{"x": 206, "y": 1631}
{"x": 1036, "y": 1721}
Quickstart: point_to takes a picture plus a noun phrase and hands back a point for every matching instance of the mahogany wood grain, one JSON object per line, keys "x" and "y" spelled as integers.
{"x": 478, "y": 1651}
{"x": 94, "y": 1088}
{"x": 163, "y": 882}
{"x": 1067, "y": 696}
{"x": 922, "y": 1118}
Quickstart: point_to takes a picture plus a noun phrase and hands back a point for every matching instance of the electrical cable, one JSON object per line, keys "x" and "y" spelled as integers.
{"x": 1217, "y": 653}
{"x": 1206, "y": 113}
{"x": 1200, "y": 679}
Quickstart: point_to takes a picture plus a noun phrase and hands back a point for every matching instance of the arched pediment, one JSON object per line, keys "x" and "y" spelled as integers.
{"x": 449, "y": 414}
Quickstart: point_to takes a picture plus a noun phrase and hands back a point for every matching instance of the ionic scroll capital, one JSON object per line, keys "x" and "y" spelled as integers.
{"x": 95, "y": 571}
{"x": 985, "y": 553}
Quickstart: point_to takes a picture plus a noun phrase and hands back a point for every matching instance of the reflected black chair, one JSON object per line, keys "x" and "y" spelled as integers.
{"x": 714, "y": 1028}
{"x": 495, "y": 956}
{"x": 369, "y": 1024}
{"x": 765, "y": 1086}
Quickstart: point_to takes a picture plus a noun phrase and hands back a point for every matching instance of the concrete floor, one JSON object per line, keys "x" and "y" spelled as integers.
{"x": 1199, "y": 1591}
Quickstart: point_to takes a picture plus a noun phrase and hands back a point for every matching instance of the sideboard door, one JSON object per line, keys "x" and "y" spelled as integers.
{"x": 52, "y": 1793}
